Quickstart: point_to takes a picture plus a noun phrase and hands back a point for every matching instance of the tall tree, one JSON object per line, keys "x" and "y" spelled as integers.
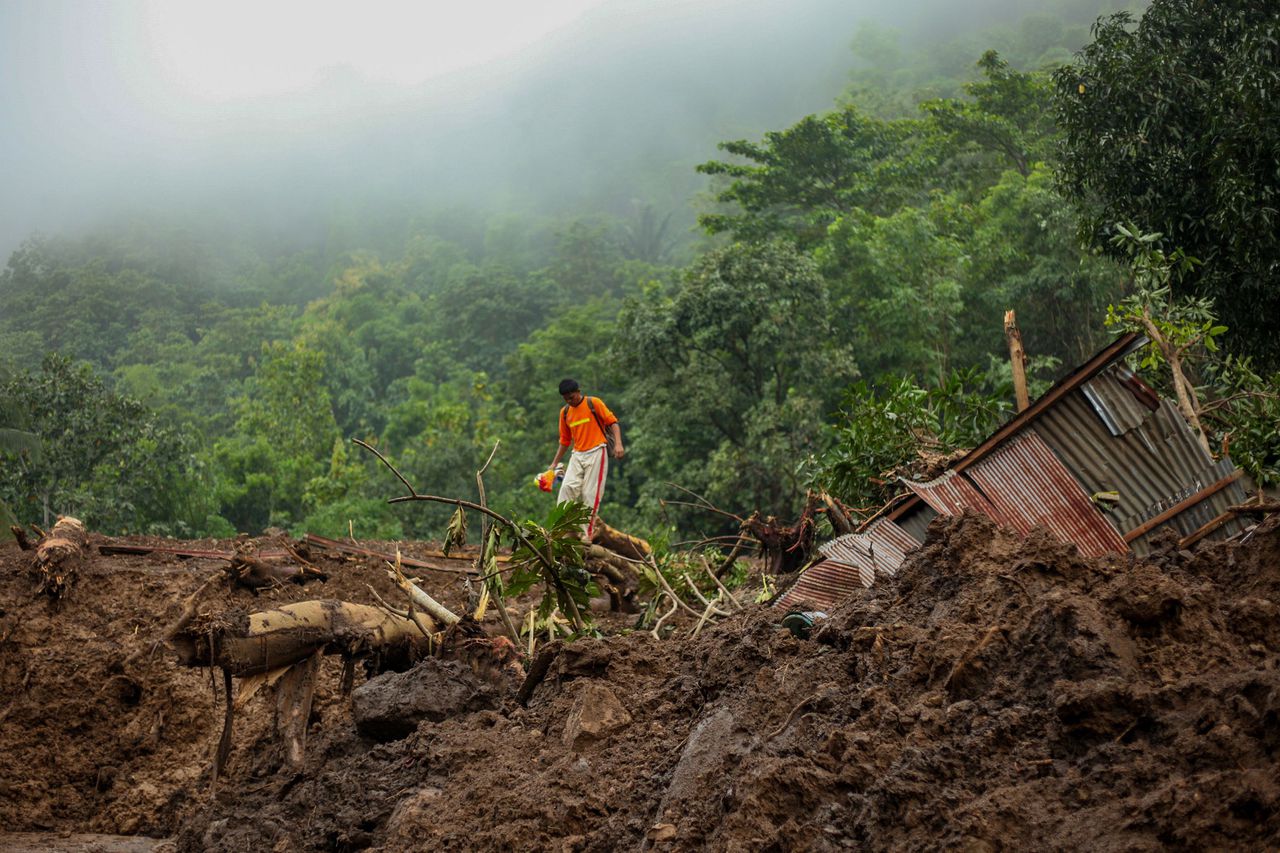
{"x": 1004, "y": 119}
{"x": 96, "y": 454}
{"x": 729, "y": 374}
{"x": 1171, "y": 124}
{"x": 798, "y": 181}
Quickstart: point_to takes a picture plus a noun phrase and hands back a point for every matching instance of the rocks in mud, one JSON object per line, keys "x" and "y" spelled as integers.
{"x": 1102, "y": 707}
{"x": 391, "y": 706}
{"x": 715, "y": 747}
{"x": 1147, "y": 598}
{"x": 596, "y": 715}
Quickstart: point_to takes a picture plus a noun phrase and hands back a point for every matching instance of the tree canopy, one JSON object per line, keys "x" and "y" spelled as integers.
{"x": 1169, "y": 122}
{"x": 840, "y": 310}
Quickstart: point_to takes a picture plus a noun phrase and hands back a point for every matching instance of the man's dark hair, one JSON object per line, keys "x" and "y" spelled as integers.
{"x": 568, "y": 386}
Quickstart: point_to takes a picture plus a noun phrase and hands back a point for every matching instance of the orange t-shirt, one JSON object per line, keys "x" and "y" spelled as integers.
{"x": 578, "y": 425}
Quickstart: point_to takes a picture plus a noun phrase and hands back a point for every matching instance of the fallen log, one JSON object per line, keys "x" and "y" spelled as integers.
{"x": 251, "y": 570}
{"x": 259, "y": 642}
{"x": 111, "y": 549}
{"x": 283, "y": 647}
{"x": 59, "y": 556}
{"x": 624, "y": 544}
{"x": 620, "y": 579}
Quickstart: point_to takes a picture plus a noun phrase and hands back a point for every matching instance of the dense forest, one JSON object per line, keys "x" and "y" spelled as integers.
{"x": 836, "y": 308}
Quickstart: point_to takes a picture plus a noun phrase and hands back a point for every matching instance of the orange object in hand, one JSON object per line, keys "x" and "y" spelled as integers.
{"x": 546, "y": 479}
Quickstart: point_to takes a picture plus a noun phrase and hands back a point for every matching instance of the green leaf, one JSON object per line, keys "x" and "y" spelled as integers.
{"x": 456, "y": 535}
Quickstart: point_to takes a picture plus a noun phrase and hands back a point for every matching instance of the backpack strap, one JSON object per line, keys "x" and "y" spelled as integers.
{"x": 608, "y": 438}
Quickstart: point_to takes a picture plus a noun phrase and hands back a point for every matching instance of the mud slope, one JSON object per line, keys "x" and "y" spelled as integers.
{"x": 999, "y": 694}
{"x": 89, "y": 745}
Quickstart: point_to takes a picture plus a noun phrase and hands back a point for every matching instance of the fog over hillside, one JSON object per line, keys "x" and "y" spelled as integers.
{"x": 614, "y": 104}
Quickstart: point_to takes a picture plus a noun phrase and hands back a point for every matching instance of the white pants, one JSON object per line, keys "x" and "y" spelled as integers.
{"x": 584, "y": 480}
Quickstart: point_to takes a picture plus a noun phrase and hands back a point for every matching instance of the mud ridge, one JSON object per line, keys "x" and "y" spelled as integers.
{"x": 1001, "y": 693}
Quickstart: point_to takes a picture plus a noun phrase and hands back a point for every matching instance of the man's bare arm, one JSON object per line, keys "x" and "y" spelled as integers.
{"x": 560, "y": 449}
{"x": 618, "y": 450}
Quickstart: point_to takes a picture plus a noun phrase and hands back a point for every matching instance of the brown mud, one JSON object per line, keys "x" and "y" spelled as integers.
{"x": 1001, "y": 693}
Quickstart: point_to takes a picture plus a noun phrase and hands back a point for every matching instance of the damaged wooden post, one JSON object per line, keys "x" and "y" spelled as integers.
{"x": 841, "y": 522}
{"x": 1017, "y": 359}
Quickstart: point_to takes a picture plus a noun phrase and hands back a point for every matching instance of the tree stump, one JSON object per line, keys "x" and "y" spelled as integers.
{"x": 59, "y": 556}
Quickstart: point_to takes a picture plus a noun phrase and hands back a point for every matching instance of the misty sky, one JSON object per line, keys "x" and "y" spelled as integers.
{"x": 288, "y": 111}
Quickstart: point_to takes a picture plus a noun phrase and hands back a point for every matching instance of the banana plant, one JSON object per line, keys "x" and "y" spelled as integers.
{"x": 552, "y": 553}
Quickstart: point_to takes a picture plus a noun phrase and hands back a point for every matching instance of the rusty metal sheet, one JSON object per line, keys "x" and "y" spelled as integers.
{"x": 1151, "y": 466}
{"x": 876, "y": 552}
{"x": 952, "y": 493}
{"x": 892, "y": 535}
{"x": 853, "y": 563}
{"x": 1113, "y": 435}
{"x": 1120, "y": 398}
{"x": 1048, "y": 402}
{"x": 821, "y": 587}
{"x": 1029, "y": 487}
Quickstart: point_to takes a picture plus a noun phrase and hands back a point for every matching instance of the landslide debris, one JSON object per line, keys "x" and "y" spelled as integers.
{"x": 1001, "y": 692}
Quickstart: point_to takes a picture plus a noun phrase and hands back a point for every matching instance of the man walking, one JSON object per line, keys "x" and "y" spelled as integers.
{"x": 587, "y": 424}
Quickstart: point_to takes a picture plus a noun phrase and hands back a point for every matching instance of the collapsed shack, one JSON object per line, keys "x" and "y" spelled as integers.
{"x": 1099, "y": 461}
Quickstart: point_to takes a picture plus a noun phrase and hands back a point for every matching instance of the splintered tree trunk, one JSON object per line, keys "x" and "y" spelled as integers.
{"x": 274, "y": 638}
{"x": 293, "y": 708}
{"x": 1017, "y": 360}
{"x": 785, "y": 547}
{"x": 59, "y": 556}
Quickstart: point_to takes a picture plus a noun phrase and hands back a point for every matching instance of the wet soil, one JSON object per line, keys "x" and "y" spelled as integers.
{"x": 1000, "y": 693}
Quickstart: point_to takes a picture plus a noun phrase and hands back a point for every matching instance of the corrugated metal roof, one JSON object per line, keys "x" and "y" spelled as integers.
{"x": 852, "y": 563}
{"x": 1029, "y": 487}
{"x": 1192, "y": 518}
{"x": 1107, "y": 428}
{"x": 1151, "y": 467}
{"x": 916, "y": 523}
{"x": 1120, "y": 399}
{"x": 1100, "y": 429}
{"x": 1100, "y": 361}
{"x": 951, "y": 493}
